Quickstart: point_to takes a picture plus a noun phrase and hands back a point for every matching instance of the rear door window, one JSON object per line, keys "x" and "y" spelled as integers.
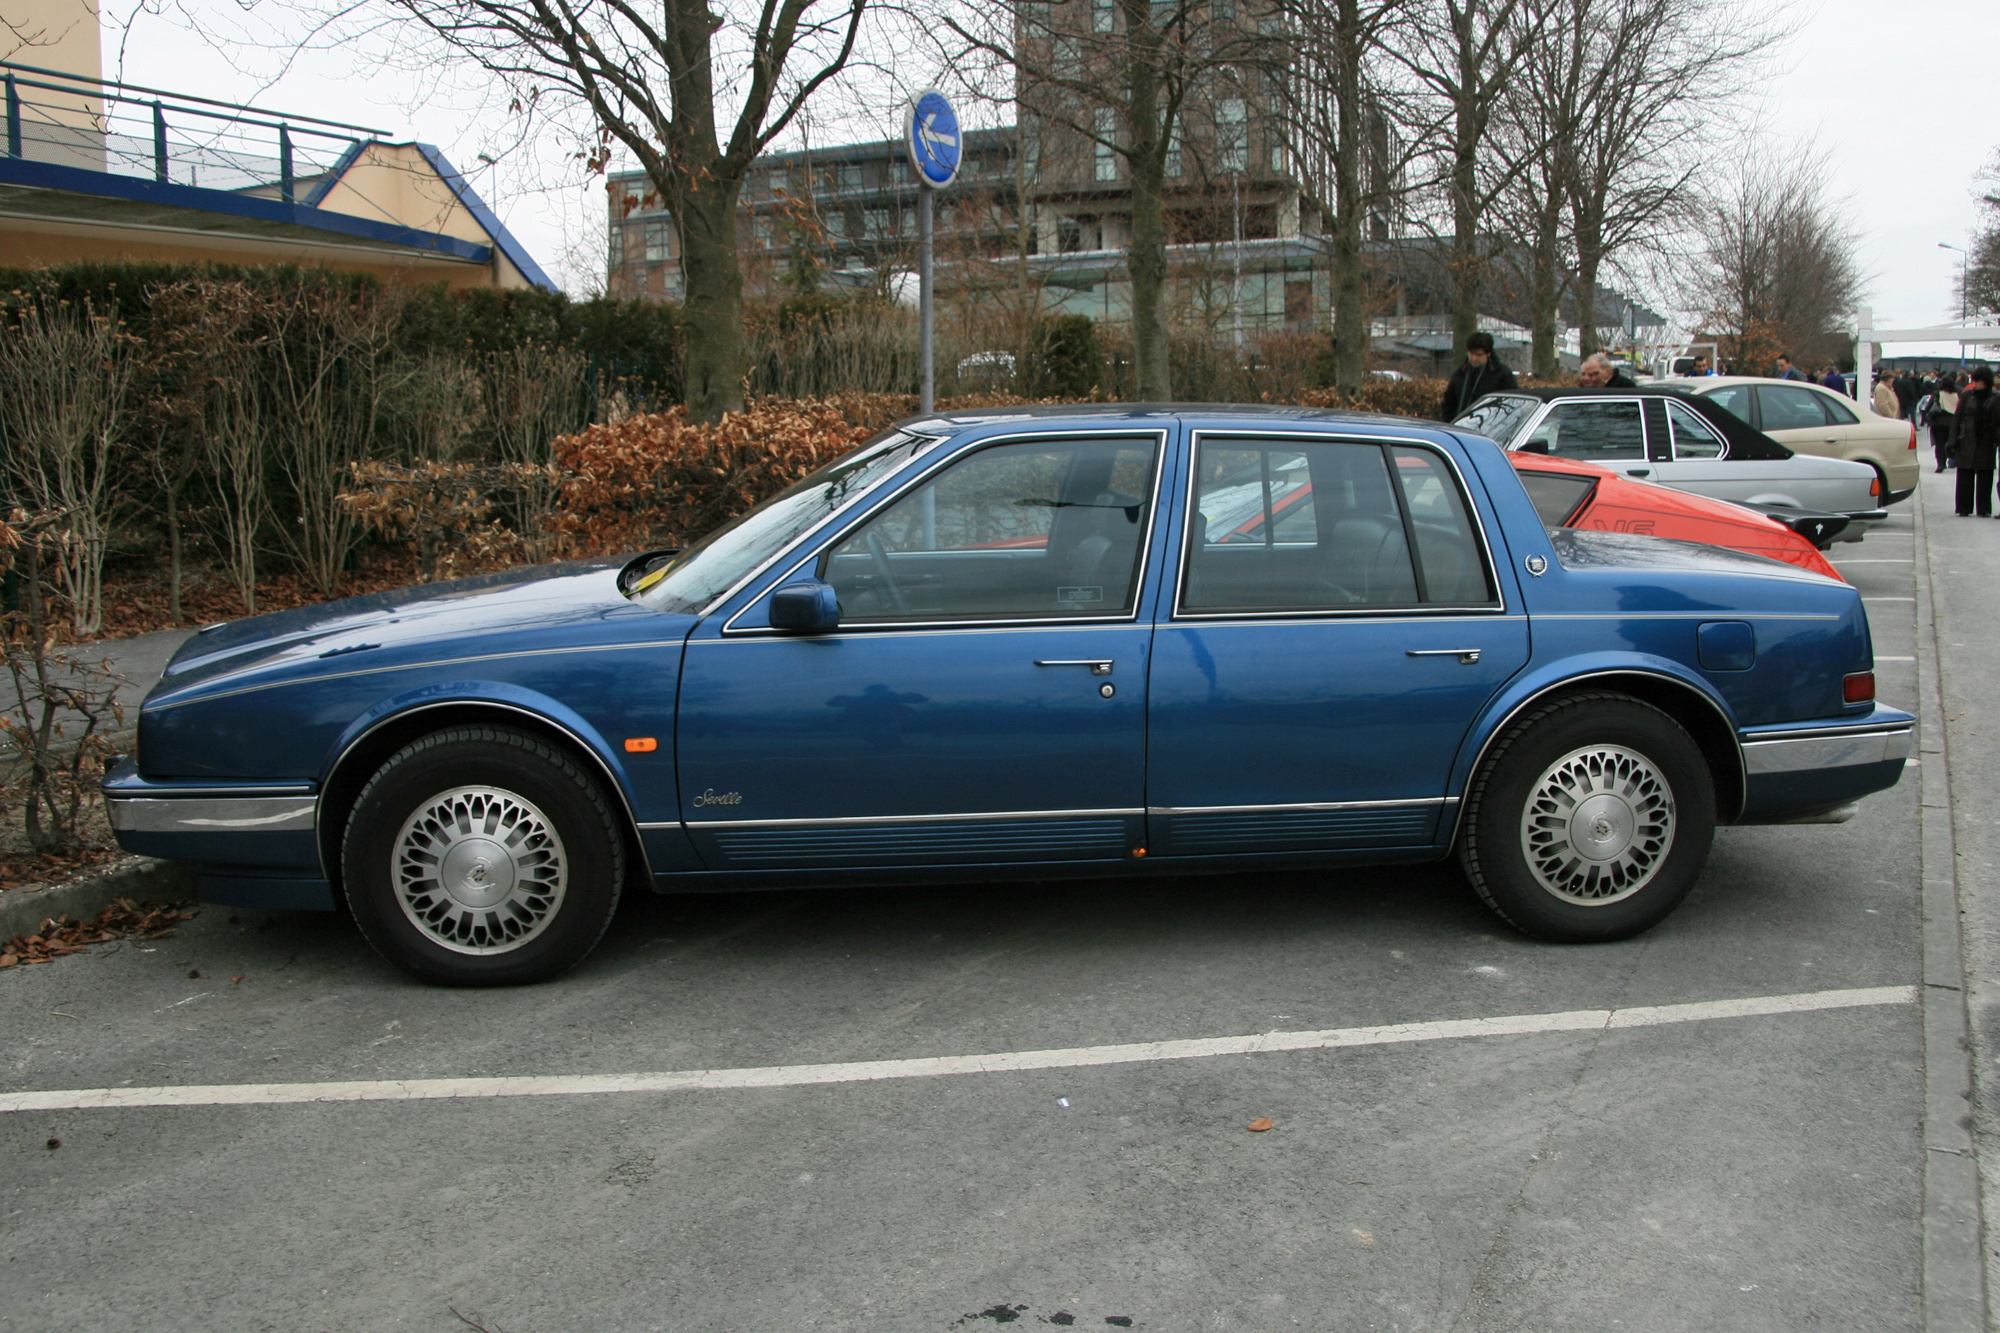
{"x": 1735, "y": 399}
{"x": 1693, "y": 437}
{"x": 1789, "y": 408}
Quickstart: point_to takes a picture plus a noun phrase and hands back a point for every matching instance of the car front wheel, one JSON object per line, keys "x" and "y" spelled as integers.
{"x": 482, "y": 856}
{"x": 1590, "y": 820}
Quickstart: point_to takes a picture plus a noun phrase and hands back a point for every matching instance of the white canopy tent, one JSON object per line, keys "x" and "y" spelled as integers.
{"x": 1866, "y": 335}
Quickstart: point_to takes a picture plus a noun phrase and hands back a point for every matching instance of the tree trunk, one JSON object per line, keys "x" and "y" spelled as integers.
{"x": 1589, "y": 255}
{"x": 1146, "y": 253}
{"x": 1544, "y": 296}
{"x": 717, "y": 354}
{"x": 1350, "y": 321}
{"x": 171, "y": 491}
{"x": 1465, "y": 257}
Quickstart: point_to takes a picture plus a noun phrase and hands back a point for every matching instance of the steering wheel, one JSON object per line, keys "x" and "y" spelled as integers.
{"x": 878, "y": 556}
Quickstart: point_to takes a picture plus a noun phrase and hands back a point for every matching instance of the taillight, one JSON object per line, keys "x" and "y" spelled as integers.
{"x": 1858, "y": 688}
{"x": 1875, "y": 486}
{"x": 1913, "y": 434}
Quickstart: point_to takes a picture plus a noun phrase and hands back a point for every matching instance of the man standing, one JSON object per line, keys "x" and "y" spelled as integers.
{"x": 1786, "y": 370}
{"x": 1975, "y": 440}
{"x": 1943, "y": 410}
{"x": 1702, "y": 369}
{"x": 1480, "y": 375}
{"x": 1597, "y": 372}
{"x": 1834, "y": 380}
{"x": 1908, "y": 389}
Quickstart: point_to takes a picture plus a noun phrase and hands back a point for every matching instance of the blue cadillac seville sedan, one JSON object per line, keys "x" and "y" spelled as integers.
{"x": 1129, "y": 641}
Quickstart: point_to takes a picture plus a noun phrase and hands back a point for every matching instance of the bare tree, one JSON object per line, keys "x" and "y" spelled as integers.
{"x": 649, "y": 79}
{"x": 1463, "y": 55}
{"x": 1979, "y": 283}
{"x": 1339, "y": 117}
{"x": 1779, "y": 272}
{"x": 1117, "y": 78}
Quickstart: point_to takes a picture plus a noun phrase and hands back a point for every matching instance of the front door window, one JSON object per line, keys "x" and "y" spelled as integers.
{"x": 1046, "y": 529}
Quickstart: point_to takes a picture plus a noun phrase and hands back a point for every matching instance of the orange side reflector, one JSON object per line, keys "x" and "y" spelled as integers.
{"x": 640, "y": 745}
{"x": 1859, "y": 688}
{"x": 1138, "y": 851}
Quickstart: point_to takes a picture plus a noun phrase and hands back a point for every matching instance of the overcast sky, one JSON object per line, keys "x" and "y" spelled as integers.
{"x": 1899, "y": 94}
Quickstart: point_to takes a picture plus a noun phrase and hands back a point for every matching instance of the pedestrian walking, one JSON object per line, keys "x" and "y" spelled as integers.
{"x": 1480, "y": 374}
{"x": 1944, "y": 406}
{"x": 1834, "y": 380}
{"x": 1885, "y": 398}
{"x": 1975, "y": 436}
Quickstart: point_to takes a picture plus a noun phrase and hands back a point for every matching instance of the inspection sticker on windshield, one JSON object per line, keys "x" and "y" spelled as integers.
{"x": 1072, "y": 596}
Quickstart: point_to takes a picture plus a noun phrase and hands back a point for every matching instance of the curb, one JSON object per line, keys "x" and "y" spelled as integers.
{"x": 22, "y": 911}
{"x": 1954, "y": 1267}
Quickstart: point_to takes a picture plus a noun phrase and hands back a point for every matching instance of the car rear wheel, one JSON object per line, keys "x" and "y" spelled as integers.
{"x": 482, "y": 856}
{"x": 1590, "y": 820}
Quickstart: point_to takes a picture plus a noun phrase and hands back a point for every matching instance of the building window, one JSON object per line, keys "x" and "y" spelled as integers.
{"x": 1232, "y": 141}
{"x": 1107, "y": 133}
{"x": 835, "y": 223}
{"x": 1279, "y": 159}
{"x": 848, "y": 176}
{"x": 874, "y": 223}
{"x": 1031, "y": 145}
{"x": 1069, "y": 235}
{"x": 1225, "y": 11}
{"x": 1035, "y": 17}
{"x": 1173, "y": 163}
{"x": 760, "y": 227}
{"x": 1068, "y": 55}
{"x": 617, "y": 253}
{"x": 1103, "y": 15}
{"x": 659, "y": 241}
{"x": 909, "y": 221}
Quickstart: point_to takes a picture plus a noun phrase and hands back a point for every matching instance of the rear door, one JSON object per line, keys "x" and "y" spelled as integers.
{"x": 1335, "y": 628}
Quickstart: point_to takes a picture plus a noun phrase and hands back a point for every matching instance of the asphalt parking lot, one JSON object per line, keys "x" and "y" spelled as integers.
{"x": 1694, "y": 1165}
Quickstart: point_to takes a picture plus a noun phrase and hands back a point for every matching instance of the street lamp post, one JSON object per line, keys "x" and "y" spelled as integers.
{"x": 1964, "y": 297}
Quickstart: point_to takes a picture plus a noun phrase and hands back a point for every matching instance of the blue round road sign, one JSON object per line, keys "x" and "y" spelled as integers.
{"x": 934, "y": 139}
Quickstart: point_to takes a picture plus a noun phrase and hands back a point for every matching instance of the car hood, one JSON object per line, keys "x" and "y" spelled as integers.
{"x": 546, "y": 605}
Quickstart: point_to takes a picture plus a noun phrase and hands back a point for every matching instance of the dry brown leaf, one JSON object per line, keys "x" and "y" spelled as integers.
{"x": 1260, "y": 1124}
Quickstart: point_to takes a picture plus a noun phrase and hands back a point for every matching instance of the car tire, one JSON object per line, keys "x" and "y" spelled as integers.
{"x": 482, "y": 856}
{"x": 1605, "y": 768}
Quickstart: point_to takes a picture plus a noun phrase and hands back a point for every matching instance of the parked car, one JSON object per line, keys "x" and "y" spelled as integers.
{"x": 1812, "y": 419}
{"x": 1678, "y": 439}
{"x": 868, "y": 679}
{"x": 1570, "y": 494}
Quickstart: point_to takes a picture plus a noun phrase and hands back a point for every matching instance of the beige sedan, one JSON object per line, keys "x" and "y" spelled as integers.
{"x": 1809, "y": 419}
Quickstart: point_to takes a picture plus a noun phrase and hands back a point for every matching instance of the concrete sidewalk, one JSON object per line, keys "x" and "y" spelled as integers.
{"x": 1961, "y": 557}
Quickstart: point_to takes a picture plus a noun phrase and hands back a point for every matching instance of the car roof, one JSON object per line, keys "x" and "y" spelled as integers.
{"x": 1745, "y": 441}
{"x": 1695, "y": 385}
{"x": 943, "y": 423}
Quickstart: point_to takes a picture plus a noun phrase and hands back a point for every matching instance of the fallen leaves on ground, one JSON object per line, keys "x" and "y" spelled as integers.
{"x": 1260, "y": 1124}
{"x": 18, "y": 869}
{"x": 124, "y": 919}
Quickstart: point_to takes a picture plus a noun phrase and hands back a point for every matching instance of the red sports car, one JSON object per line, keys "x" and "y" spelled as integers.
{"x": 1570, "y": 494}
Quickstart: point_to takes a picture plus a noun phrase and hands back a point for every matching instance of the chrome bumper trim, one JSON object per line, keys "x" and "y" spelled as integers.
{"x": 1812, "y": 752}
{"x": 258, "y": 814}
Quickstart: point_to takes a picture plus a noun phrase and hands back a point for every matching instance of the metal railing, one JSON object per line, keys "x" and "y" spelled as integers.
{"x": 147, "y": 133}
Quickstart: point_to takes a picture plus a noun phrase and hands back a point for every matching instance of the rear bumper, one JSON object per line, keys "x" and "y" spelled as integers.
{"x": 1798, "y": 773}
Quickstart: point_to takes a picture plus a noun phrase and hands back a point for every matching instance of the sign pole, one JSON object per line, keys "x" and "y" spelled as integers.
{"x": 926, "y": 396}
{"x": 936, "y": 146}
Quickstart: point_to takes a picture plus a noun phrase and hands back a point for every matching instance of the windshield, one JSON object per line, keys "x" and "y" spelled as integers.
{"x": 1496, "y": 417}
{"x": 694, "y": 578}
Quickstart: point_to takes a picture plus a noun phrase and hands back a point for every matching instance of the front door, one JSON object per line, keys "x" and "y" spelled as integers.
{"x": 1336, "y": 630}
{"x": 984, "y": 698}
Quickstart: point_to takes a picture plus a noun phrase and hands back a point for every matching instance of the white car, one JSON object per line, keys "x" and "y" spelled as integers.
{"x": 1812, "y": 419}
{"x": 1676, "y": 439}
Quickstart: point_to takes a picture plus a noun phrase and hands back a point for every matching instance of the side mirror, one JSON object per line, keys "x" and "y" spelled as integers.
{"x": 809, "y": 607}
{"x": 1534, "y": 447}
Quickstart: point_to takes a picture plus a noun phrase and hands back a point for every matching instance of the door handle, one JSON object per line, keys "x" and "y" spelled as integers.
{"x": 1099, "y": 666}
{"x": 1638, "y": 472}
{"x": 1465, "y": 656}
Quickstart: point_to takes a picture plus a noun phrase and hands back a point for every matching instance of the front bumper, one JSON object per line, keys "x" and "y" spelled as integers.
{"x": 253, "y": 844}
{"x": 1799, "y": 772}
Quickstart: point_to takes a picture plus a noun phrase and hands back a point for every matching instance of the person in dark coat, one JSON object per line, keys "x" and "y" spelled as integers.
{"x": 1944, "y": 408}
{"x": 1835, "y": 381}
{"x": 1908, "y": 389}
{"x": 1975, "y": 438}
{"x": 1480, "y": 375}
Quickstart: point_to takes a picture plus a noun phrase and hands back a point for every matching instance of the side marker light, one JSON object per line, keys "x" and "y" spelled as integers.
{"x": 1858, "y": 688}
{"x": 641, "y": 745}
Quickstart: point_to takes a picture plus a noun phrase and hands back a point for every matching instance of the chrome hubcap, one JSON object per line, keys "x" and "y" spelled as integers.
{"x": 1598, "y": 825}
{"x": 479, "y": 870}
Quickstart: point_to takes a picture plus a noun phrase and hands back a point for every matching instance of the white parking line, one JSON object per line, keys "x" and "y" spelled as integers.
{"x": 787, "y": 1076}
{"x": 1882, "y": 658}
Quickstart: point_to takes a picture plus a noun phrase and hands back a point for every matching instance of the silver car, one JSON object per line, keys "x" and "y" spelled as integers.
{"x": 1675, "y": 439}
